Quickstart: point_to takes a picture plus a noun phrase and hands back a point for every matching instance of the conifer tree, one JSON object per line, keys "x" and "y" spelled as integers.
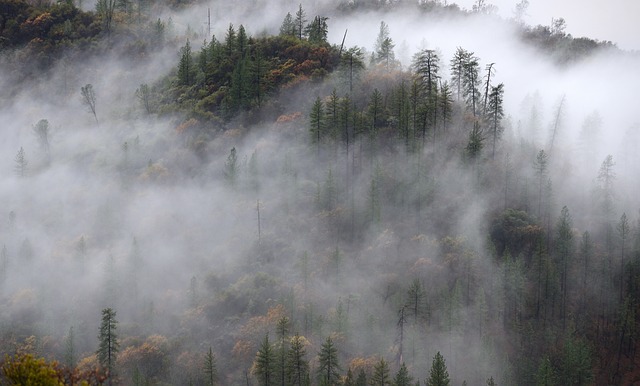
{"x": 540, "y": 165}
{"x": 457, "y": 65}
{"x": 328, "y": 367}
{"x": 402, "y": 377}
{"x": 21, "y": 166}
{"x": 264, "y": 363}
{"x": 495, "y": 113}
{"x": 623, "y": 234}
{"x": 297, "y": 365}
{"x": 384, "y": 47}
{"x": 210, "y": 368}
{"x": 361, "y": 380}
{"x": 300, "y": 22}
{"x": 282, "y": 328}
{"x": 545, "y": 375}
{"x": 70, "y": 350}
{"x": 381, "y": 374}
{"x": 317, "y": 30}
{"x": 288, "y": 26}
{"x": 186, "y": 66}
{"x": 438, "y": 375}
{"x": 470, "y": 84}
{"x": 108, "y": 342}
{"x": 564, "y": 251}
{"x": 316, "y": 118}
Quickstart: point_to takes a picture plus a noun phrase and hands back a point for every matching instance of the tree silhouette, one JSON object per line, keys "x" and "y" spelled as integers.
{"x": 108, "y": 342}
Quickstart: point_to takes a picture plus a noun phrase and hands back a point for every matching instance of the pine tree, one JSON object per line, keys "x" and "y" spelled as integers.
{"x": 457, "y": 65}
{"x": 576, "y": 367}
{"x": 21, "y": 166}
{"x": 108, "y": 342}
{"x": 438, "y": 375}
{"x": 282, "y": 328}
{"x": 545, "y": 375}
{"x": 564, "y": 252}
{"x": 495, "y": 113}
{"x": 186, "y": 66}
{"x": 328, "y": 367}
{"x": 300, "y": 22}
{"x": 288, "y": 26}
{"x": 316, "y": 118}
{"x": 470, "y": 84}
{"x": 384, "y": 47}
{"x": 317, "y": 30}
{"x": 349, "y": 380}
{"x": 623, "y": 233}
{"x": 210, "y": 368}
{"x": 402, "y": 377}
{"x": 415, "y": 299}
{"x": 297, "y": 365}
{"x": 70, "y": 351}
{"x": 381, "y": 374}
{"x": 264, "y": 363}
{"x": 540, "y": 165}
{"x": 361, "y": 380}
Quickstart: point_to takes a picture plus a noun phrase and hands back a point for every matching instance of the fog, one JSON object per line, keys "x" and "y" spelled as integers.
{"x": 136, "y": 214}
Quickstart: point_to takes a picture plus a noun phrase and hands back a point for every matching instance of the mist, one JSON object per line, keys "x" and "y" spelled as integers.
{"x": 142, "y": 213}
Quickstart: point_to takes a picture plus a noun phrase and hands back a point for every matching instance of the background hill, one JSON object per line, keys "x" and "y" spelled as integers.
{"x": 338, "y": 193}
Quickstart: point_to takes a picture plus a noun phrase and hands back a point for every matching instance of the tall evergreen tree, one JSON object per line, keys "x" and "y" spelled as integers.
{"x": 21, "y": 163}
{"x": 317, "y": 122}
{"x": 317, "y": 30}
{"x": 70, "y": 349}
{"x": 282, "y": 329}
{"x": 288, "y": 26}
{"x": 402, "y": 378}
{"x": 297, "y": 365}
{"x": 300, "y": 22}
{"x": 109, "y": 346}
{"x": 264, "y": 363}
{"x": 381, "y": 374}
{"x": 457, "y": 66}
{"x": 470, "y": 84}
{"x": 384, "y": 47}
{"x": 185, "y": 66}
{"x": 438, "y": 375}
{"x": 328, "y": 367}
{"x": 623, "y": 233}
{"x": 210, "y": 368}
{"x": 545, "y": 375}
{"x": 495, "y": 113}
{"x": 564, "y": 252}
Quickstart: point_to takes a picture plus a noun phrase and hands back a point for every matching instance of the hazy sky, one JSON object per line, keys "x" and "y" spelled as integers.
{"x": 615, "y": 20}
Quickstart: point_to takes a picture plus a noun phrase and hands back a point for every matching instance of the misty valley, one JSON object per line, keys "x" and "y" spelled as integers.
{"x": 338, "y": 193}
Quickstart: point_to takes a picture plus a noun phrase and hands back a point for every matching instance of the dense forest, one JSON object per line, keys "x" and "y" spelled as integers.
{"x": 345, "y": 193}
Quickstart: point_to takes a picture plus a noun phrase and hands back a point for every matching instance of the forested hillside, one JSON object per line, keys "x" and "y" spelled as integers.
{"x": 349, "y": 193}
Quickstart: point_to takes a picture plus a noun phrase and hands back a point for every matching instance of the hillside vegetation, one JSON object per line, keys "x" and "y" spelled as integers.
{"x": 276, "y": 209}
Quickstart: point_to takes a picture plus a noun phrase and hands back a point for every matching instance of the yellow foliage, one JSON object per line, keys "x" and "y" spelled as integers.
{"x": 365, "y": 364}
{"x": 258, "y": 325}
{"x": 26, "y": 370}
{"x": 155, "y": 172}
{"x": 243, "y": 350}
